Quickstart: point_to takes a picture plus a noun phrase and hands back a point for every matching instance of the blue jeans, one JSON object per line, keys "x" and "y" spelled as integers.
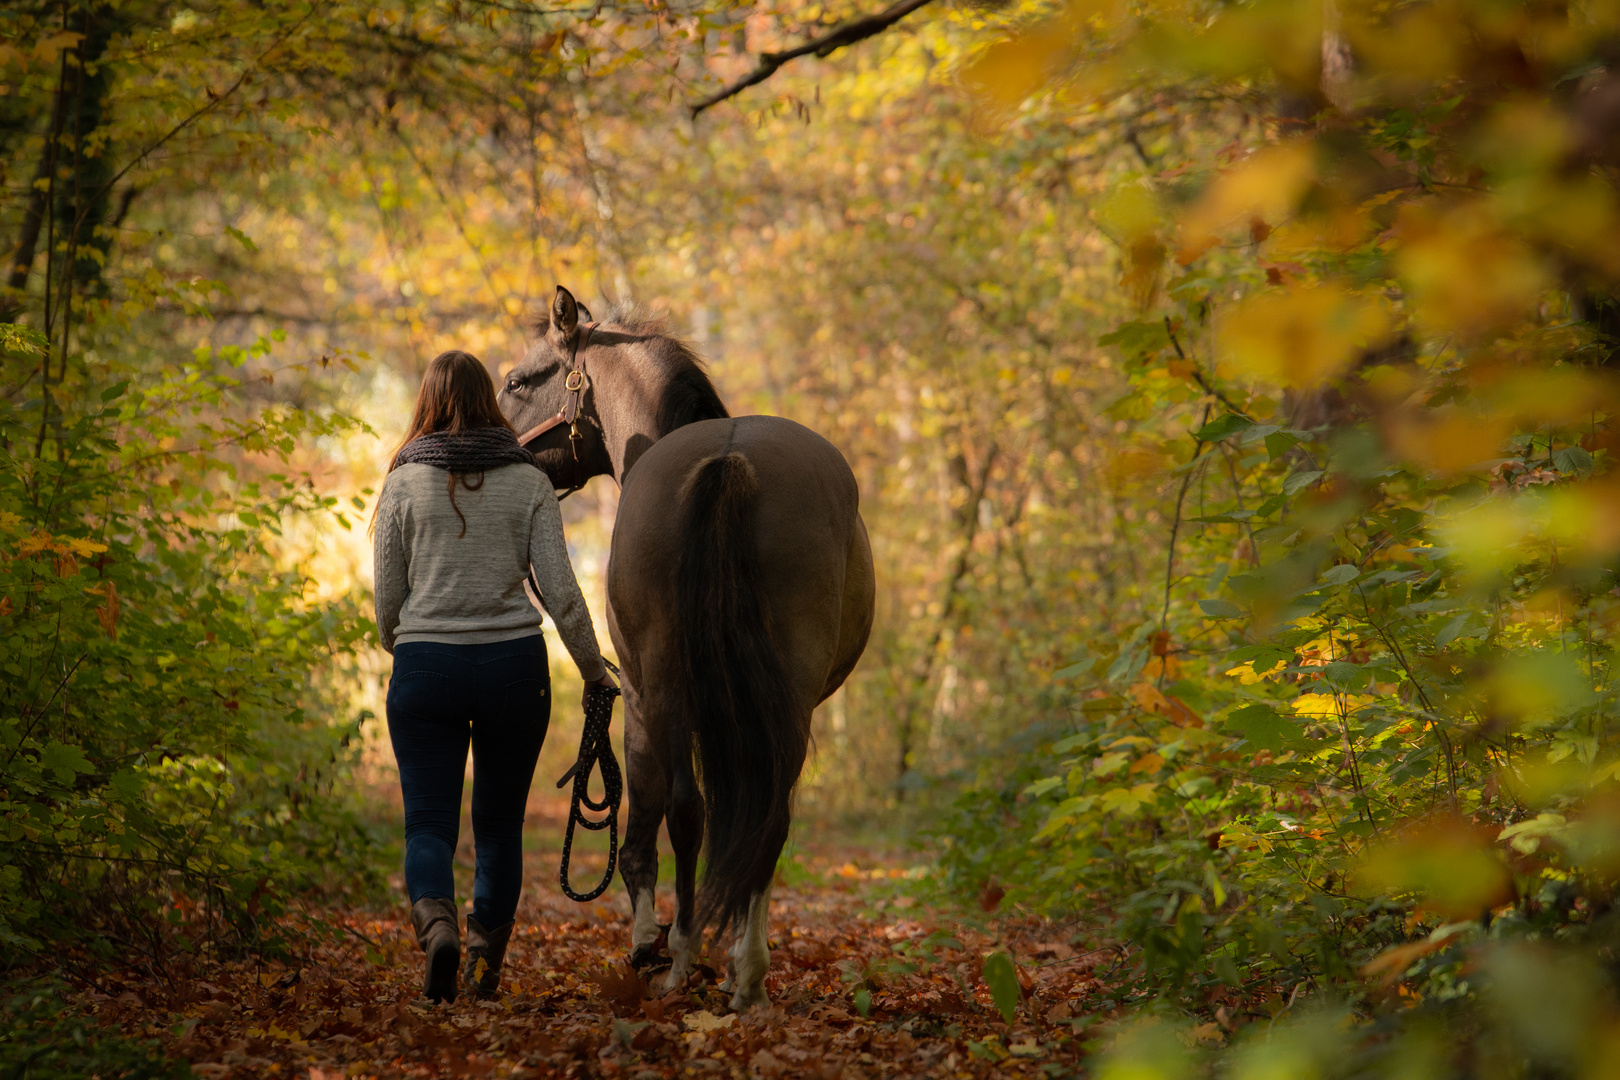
{"x": 499, "y": 696}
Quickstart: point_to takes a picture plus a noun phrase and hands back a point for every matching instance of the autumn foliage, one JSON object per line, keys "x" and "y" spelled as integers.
{"x": 1230, "y": 387}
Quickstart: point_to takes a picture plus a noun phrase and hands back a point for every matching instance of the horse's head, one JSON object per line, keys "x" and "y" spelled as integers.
{"x": 641, "y": 383}
{"x": 534, "y": 392}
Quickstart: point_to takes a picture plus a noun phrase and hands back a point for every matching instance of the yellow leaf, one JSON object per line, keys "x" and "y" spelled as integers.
{"x": 1130, "y": 211}
{"x": 1108, "y": 763}
{"x": 1014, "y": 69}
{"x": 704, "y": 1020}
{"x": 1449, "y": 440}
{"x": 1327, "y": 706}
{"x": 1486, "y": 538}
{"x": 1009, "y": 71}
{"x": 1464, "y": 274}
{"x": 1248, "y": 676}
{"x": 1449, "y": 861}
{"x": 1268, "y": 186}
{"x": 1413, "y": 50}
{"x": 47, "y": 48}
{"x": 1133, "y": 464}
{"x": 1299, "y": 335}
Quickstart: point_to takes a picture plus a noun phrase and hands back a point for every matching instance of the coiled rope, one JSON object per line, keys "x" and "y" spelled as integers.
{"x": 595, "y": 752}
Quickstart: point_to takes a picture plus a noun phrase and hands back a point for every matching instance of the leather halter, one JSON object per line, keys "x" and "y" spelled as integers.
{"x": 575, "y": 384}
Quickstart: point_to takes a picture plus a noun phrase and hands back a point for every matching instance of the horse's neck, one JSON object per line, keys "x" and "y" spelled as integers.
{"x": 628, "y": 411}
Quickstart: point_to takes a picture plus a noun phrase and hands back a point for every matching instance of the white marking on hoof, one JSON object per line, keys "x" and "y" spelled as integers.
{"x": 682, "y": 953}
{"x": 644, "y": 920}
{"x": 751, "y": 955}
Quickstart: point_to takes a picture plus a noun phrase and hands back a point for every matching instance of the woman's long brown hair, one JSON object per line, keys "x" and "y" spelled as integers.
{"x": 457, "y": 395}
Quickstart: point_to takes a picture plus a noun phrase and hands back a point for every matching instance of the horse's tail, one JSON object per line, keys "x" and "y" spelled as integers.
{"x": 744, "y": 728}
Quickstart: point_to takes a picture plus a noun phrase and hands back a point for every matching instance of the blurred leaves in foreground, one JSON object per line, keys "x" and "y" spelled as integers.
{"x": 1356, "y": 775}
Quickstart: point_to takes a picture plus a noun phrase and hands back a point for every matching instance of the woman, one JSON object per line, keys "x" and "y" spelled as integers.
{"x": 463, "y": 518}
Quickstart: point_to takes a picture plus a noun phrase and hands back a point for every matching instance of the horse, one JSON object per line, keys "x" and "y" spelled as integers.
{"x": 740, "y": 595}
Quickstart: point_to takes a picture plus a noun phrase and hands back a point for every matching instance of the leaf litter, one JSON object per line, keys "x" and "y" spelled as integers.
{"x": 863, "y": 983}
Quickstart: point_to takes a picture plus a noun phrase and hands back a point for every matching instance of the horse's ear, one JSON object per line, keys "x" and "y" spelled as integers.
{"x": 564, "y": 316}
{"x": 584, "y": 313}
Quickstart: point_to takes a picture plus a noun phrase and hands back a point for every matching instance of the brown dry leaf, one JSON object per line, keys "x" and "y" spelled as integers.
{"x": 622, "y": 988}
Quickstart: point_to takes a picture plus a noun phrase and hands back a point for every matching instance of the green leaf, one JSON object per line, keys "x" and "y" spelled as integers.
{"x": 1221, "y": 609}
{"x": 1572, "y": 459}
{"x": 1340, "y": 574}
{"x": 1265, "y": 657}
{"x": 863, "y": 1001}
{"x": 1002, "y": 978}
{"x": 1279, "y": 443}
{"x": 1263, "y": 727}
{"x": 64, "y": 760}
{"x": 1449, "y": 632}
{"x": 1270, "y": 506}
{"x": 1222, "y": 428}
{"x": 241, "y": 238}
{"x": 1301, "y": 479}
{"x": 1137, "y": 340}
{"x": 115, "y": 391}
{"x": 1042, "y": 786}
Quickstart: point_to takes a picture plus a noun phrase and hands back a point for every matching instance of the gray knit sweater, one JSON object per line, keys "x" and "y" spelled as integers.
{"x": 436, "y": 585}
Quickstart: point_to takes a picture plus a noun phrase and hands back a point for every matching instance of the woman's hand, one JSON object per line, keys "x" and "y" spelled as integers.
{"x": 606, "y": 682}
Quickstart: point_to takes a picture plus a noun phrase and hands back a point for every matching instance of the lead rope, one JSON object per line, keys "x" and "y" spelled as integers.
{"x": 595, "y": 752}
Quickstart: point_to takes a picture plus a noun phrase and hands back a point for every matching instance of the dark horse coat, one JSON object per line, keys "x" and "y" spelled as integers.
{"x": 740, "y": 595}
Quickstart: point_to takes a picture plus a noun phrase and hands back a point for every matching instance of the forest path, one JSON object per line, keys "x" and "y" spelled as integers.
{"x": 841, "y": 920}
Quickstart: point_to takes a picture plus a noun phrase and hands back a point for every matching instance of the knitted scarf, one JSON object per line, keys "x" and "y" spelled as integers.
{"x": 470, "y": 451}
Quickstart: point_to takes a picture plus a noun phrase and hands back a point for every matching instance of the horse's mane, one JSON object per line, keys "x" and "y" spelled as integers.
{"x": 689, "y": 396}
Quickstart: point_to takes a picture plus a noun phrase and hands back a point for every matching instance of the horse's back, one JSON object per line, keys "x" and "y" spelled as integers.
{"x": 809, "y": 546}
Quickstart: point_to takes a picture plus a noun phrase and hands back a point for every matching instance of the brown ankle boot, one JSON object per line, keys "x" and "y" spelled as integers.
{"x": 437, "y": 934}
{"x": 486, "y": 950}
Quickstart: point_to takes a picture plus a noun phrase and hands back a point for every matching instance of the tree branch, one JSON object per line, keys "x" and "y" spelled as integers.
{"x": 845, "y": 33}
{"x": 1197, "y": 374}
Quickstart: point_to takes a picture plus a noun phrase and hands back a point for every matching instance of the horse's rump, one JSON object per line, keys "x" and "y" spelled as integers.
{"x": 732, "y": 598}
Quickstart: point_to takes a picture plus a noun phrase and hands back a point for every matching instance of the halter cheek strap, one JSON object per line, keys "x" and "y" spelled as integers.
{"x": 575, "y": 384}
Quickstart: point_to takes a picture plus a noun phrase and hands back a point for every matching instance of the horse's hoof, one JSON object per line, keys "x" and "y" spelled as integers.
{"x": 675, "y": 980}
{"x": 644, "y": 955}
{"x": 742, "y": 1002}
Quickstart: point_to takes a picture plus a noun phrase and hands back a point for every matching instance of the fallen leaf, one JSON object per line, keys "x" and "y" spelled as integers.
{"x": 704, "y": 1020}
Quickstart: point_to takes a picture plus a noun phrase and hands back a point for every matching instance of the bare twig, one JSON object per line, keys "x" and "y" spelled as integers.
{"x": 1175, "y": 525}
{"x": 1197, "y": 374}
{"x": 845, "y": 33}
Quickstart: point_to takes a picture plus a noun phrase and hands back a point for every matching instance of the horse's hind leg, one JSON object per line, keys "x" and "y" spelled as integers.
{"x": 751, "y": 955}
{"x": 638, "y": 858}
{"x": 685, "y": 816}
